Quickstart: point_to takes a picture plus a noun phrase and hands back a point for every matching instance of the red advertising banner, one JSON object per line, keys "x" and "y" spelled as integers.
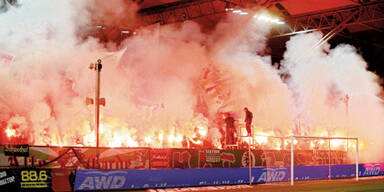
{"x": 160, "y": 158}
{"x": 79, "y": 158}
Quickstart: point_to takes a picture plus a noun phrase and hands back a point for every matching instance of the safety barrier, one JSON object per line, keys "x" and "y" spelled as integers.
{"x": 29, "y": 179}
{"x": 166, "y": 178}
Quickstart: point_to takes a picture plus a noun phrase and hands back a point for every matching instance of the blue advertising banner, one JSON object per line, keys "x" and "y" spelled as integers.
{"x": 343, "y": 171}
{"x": 160, "y": 178}
{"x": 316, "y": 172}
{"x": 167, "y": 178}
{"x": 365, "y": 170}
{"x": 371, "y": 169}
{"x": 311, "y": 172}
{"x": 270, "y": 174}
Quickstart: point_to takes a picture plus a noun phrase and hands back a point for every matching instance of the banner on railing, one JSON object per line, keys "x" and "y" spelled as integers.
{"x": 24, "y": 156}
{"x": 76, "y": 158}
{"x": 16, "y": 150}
{"x": 160, "y": 158}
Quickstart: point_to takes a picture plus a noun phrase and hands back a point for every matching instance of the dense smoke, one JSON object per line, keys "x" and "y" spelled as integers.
{"x": 172, "y": 81}
{"x": 335, "y": 94}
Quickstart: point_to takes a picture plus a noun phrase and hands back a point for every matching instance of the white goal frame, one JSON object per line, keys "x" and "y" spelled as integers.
{"x": 292, "y": 137}
{"x": 329, "y": 140}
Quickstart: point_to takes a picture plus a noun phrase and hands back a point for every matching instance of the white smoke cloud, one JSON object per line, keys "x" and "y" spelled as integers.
{"x": 251, "y": 79}
{"x": 322, "y": 79}
{"x": 41, "y": 35}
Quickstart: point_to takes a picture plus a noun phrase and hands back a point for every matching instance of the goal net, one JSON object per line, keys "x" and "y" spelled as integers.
{"x": 296, "y": 158}
{"x": 299, "y": 158}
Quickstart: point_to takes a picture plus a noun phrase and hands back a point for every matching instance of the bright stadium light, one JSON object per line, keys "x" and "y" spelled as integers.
{"x": 240, "y": 12}
{"x": 269, "y": 19}
{"x": 101, "y": 27}
{"x": 236, "y": 11}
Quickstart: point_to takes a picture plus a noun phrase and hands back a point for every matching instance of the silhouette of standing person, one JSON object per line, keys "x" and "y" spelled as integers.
{"x": 248, "y": 120}
{"x": 230, "y": 128}
{"x": 72, "y": 176}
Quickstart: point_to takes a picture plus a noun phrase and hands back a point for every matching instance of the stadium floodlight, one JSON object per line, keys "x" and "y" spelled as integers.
{"x": 236, "y": 11}
{"x": 269, "y": 19}
{"x": 101, "y": 27}
{"x": 240, "y": 12}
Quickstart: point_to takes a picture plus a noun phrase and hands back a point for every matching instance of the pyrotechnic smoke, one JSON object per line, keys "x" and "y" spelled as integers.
{"x": 335, "y": 94}
{"x": 150, "y": 91}
{"x": 172, "y": 81}
{"x": 39, "y": 84}
{"x": 250, "y": 77}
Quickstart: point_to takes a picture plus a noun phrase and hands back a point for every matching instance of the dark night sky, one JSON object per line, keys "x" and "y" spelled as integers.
{"x": 369, "y": 44}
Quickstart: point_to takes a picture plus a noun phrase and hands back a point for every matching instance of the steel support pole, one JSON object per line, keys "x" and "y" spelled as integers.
{"x": 249, "y": 159}
{"x": 357, "y": 159}
{"x": 347, "y": 119}
{"x": 292, "y": 162}
{"x": 329, "y": 159}
{"x": 98, "y": 67}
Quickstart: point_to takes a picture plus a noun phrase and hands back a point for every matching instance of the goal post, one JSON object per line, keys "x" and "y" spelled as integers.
{"x": 326, "y": 141}
{"x": 286, "y": 158}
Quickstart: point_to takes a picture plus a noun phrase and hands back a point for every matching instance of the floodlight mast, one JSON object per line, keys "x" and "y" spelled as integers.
{"x": 292, "y": 161}
{"x": 97, "y": 67}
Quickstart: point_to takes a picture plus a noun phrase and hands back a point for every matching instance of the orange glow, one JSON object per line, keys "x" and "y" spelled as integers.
{"x": 202, "y": 130}
{"x": 361, "y": 145}
{"x": 198, "y": 142}
{"x": 337, "y": 143}
{"x": 261, "y": 139}
{"x": 148, "y": 140}
{"x": 10, "y": 132}
{"x": 161, "y": 137}
{"x": 171, "y": 138}
{"x": 115, "y": 133}
{"x": 101, "y": 128}
{"x": 90, "y": 139}
{"x": 179, "y": 138}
